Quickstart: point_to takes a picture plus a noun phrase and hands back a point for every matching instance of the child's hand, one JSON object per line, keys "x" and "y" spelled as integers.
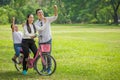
{"x": 13, "y": 19}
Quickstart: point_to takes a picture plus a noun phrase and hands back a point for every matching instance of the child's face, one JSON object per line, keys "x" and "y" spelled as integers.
{"x": 16, "y": 28}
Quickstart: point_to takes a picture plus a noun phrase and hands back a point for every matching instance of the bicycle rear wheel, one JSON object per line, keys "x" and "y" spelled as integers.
{"x": 45, "y": 67}
{"x": 18, "y": 65}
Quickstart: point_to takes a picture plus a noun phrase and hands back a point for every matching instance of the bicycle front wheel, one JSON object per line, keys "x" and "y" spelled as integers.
{"x": 46, "y": 65}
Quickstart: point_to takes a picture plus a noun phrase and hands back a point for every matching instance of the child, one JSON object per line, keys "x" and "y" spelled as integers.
{"x": 17, "y": 39}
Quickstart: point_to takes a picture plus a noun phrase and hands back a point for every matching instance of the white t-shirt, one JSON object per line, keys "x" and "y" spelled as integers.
{"x": 46, "y": 32}
{"x": 17, "y": 37}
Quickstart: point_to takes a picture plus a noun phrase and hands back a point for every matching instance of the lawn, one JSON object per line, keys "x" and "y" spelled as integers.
{"x": 82, "y": 52}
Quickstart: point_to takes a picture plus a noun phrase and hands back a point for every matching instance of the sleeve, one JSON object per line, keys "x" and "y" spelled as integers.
{"x": 26, "y": 32}
{"x": 52, "y": 18}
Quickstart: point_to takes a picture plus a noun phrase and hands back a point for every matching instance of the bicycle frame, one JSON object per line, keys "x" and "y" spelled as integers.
{"x": 42, "y": 62}
{"x": 43, "y": 48}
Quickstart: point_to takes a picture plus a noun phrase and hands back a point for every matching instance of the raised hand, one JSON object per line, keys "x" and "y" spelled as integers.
{"x": 55, "y": 6}
{"x": 55, "y": 10}
{"x": 13, "y": 20}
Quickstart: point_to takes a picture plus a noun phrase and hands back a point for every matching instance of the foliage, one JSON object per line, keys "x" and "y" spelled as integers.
{"x": 75, "y": 11}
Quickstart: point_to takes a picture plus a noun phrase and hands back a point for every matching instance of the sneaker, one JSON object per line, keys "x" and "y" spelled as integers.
{"x": 24, "y": 72}
{"x": 14, "y": 60}
{"x": 49, "y": 71}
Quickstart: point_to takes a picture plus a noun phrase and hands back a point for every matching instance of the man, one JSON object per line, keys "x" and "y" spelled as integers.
{"x": 45, "y": 35}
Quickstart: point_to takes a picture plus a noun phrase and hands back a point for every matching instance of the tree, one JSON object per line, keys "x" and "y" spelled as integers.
{"x": 4, "y": 2}
{"x": 115, "y": 5}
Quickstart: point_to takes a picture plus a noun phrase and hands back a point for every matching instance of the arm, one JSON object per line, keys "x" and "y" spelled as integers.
{"x": 27, "y": 34}
{"x": 55, "y": 10}
{"x": 53, "y": 18}
{"x": 13, "y": 24}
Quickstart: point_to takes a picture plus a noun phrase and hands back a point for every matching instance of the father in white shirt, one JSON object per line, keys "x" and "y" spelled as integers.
{"x": 45, "y": 35}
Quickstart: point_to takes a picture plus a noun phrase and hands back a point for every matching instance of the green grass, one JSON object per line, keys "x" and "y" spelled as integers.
{"x": 82, "y": 52}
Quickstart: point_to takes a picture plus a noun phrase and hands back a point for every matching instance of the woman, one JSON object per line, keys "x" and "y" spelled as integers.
{"x": 28, "y": 42}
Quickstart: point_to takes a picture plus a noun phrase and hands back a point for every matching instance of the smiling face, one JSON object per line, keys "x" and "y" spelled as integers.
{"x": 30, "y": 19}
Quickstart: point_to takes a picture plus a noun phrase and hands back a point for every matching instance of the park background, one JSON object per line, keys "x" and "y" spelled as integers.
{"x": 86, "y": 38}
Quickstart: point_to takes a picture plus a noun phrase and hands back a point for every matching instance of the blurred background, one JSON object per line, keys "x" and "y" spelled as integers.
{"x": 70, "y": 11}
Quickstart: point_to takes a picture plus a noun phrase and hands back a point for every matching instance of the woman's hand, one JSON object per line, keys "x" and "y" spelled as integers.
{"x": 32, "y": 37}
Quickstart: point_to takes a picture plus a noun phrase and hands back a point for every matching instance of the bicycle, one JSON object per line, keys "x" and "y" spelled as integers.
{"x": 40, "y": 62}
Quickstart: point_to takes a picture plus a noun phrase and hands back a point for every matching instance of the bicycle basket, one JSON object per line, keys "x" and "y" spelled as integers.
{"x": 45, "y": 47}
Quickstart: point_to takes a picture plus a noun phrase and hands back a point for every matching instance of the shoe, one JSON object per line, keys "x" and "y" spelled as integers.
{"x": 49, "y": 71}
{"x": 14, "y": 60}
{"x": 24, "y": 72}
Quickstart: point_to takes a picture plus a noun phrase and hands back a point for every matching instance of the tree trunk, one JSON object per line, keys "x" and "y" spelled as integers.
{"x": 115, "y": 6}
{"x": 115, "y": 18}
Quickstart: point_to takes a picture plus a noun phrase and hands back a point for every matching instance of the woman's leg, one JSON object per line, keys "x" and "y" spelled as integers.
{"x": 25, "y": 47}
{"x": 33, "y": 47}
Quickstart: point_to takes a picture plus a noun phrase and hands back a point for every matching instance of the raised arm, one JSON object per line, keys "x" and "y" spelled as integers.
{"x": 55, "y": 10}
{"x": 53, "y": 18}
{"x": 13, "y": 24}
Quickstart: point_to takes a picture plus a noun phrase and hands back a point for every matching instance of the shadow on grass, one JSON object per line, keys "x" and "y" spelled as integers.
{"x": 14, "y": 75}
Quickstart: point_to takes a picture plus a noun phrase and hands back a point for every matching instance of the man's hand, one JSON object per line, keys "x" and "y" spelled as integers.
{"x": 55, "y": 10}
{"x": 55, "y": 6}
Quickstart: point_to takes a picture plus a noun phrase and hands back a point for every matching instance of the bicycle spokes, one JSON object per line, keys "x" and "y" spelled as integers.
{"x": 49, "y": 67}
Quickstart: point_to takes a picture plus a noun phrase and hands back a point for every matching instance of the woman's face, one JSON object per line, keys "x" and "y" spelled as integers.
{"x": 31, "y": 19}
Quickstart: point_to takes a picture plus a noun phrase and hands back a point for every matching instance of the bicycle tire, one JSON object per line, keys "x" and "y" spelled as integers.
{"x": 39, "y": 65}
{"x": 18, "y": 65}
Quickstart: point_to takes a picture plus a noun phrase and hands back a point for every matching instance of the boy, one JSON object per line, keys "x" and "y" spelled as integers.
{"x": 17, "y": 39}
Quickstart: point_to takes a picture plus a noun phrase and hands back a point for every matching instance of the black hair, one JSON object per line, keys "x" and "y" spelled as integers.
{"x": 28, "y": 27}
{"x": 37, "y": 10}
{"x": 11, "y": 25}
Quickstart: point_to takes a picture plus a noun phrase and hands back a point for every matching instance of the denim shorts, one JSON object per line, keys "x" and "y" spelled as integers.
{"x": 17, "y": 48}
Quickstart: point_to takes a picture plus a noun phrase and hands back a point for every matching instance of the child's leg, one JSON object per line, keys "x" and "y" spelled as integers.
{"x": 17, "y": 48}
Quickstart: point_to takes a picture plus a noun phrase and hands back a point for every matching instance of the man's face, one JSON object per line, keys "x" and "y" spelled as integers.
{"x": 40, "y": 13}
